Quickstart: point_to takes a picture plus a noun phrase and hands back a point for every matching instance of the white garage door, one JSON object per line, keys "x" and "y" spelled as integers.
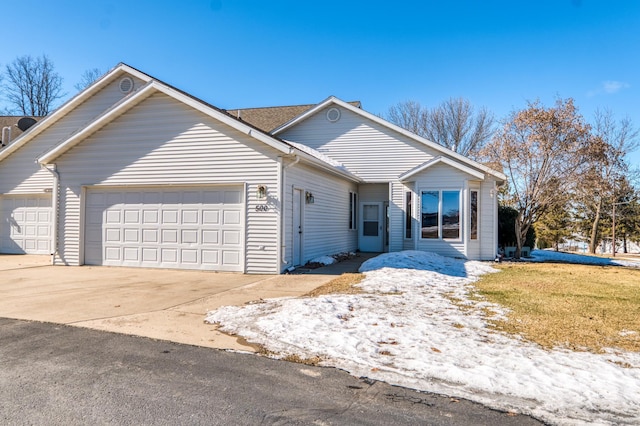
{"x": 25, "y": 225}
{"x": 188, "y": 228}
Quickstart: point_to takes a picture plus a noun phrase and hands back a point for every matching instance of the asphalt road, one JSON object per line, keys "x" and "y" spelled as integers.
{"x": 54, "y": 374}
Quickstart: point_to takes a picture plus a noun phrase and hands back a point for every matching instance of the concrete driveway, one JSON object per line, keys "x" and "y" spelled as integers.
{"x": 157, "y": 303}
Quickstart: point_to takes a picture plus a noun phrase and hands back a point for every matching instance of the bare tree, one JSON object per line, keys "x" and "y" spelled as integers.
{"x": 541, "y": 151}
{"x": 606, "y": 168}
{"x": 409, "y": 115}
{"x": 32, "y": 85}
{"x": 87, "y": 78}
{"x": 454, "y": 124}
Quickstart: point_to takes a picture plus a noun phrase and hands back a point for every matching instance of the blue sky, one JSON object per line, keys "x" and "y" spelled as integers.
{"x": 237, "y": 53}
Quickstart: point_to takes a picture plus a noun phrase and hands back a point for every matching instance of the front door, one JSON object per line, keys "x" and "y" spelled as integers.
{"x": 297, "y": 227}
{"x": 371, "y": 227}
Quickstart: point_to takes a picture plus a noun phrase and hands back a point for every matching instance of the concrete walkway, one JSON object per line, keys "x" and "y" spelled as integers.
{"x": 156, "y": 303}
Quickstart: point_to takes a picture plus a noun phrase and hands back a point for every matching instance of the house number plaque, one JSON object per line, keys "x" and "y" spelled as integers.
{"x": 262, "y": 208}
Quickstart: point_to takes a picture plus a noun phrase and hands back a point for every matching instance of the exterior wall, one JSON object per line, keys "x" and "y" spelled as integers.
{"x": 488, "y": 226}
{"x": 409, "y": 243}
{"x": 20, "y": 174}
{"x": 374, "y": 192}
{"x": 325, "y": 223}
{"x": 396, "y": 217}
{"x": 439, "y": 177}
{"x": 164, "y": 142}
{"x": 371, "y": 151}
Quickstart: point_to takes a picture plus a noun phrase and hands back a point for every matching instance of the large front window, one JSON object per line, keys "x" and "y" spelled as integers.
{"x": 441, "y": 215}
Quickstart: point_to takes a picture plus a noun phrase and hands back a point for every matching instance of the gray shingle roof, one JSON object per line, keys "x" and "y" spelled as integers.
{"x": 270, "y": 118}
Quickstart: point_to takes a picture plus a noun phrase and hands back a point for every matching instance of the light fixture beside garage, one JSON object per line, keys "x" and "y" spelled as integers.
{"x": 309, "y": 198}
{"x": 262, "y": 192}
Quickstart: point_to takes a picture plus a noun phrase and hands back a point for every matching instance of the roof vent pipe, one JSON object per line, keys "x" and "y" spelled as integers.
{"x": 6, "y": 136}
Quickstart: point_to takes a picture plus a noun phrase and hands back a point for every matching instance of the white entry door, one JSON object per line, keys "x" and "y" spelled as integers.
{"x": 297, "y": 227}
{"x": 371, "y": 227}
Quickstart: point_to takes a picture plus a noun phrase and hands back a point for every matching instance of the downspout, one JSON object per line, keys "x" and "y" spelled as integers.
{"x": 54, "y": 204}
{"x": 282, "y": 245}
{"x": 494, "y": 194}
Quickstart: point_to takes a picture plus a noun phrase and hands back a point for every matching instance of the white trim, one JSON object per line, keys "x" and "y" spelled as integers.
{"x": 406, "y": 192}
{"x": 405, "y": 177}
{"x": 154, "y": 87}
{"x": 461, "y": 223}
{"x": 382, "y": 122}
{"x": 96, "y": 124}
{"x": 72, "y": 103}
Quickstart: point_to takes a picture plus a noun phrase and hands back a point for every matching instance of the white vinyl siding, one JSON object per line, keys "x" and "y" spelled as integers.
{"x": 163, "y": 142}
{"x": 371, "y": 151}
{"x": 396, "y": 218}
{"x": 25, "y": 224}
{"x": 488, "y": 224}
{"x": 325, "y": 227}
{"x": 19, "y": 172}
{"x": 442, "y": 177}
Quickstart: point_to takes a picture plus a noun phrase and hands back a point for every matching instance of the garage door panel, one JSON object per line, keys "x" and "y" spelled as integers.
{"x": 210, "y": 217}
{"x": 149, "y": 236}
{"x": 150, "y": 255}
{"x": 169, "y": 217}
{"x": 211, "y": 237}
{"x": 189, "y": 256}
{"x": 150, "y": 217}
{"x": 174, "y": 229}
{"x": 25, "y": 224}
{"x": 169, "y": 236}
{"x": 231, "y": 217}
{"x": 190, "y": 217}
{"x": 131, "y": 216}
{"x": 189, "y": 236}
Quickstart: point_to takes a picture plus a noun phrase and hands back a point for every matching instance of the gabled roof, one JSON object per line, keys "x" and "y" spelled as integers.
{"x": 157, "y": 86}
{"x": 72, "y": 103}
{"x": 332, "y": 100}
{"x": 270, "y": 118}
{"x": 437, "y": 160}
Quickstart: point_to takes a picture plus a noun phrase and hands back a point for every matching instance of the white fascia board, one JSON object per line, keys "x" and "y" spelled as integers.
{"x": 72, "y": 103}
{"x": 224, "y": 118}
{"x": 304, "y": 115}
{"x": 326, "y": 166}
{"x": 437, "y": 147}
{"x": 126, "y": 104}
{"x": 456, "y": 165}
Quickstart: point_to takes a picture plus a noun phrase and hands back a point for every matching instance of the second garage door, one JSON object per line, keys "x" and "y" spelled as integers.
{"x": 187, "y": 228}
{"x": 25, "y": 224}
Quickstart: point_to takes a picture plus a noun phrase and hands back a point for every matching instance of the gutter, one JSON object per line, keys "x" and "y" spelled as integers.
{"x": 54, "y": 204}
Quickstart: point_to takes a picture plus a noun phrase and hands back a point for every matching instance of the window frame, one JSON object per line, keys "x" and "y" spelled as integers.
{"x": 408, "y": 215}
{"x": 472, "y": 216}
{"x": 353, "y": 211}
{"x": 461, "y": 212}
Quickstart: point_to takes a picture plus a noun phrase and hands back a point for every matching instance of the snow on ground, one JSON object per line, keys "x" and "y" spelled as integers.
{"x": 554, "y": 256}
{"x": 323, "y": 260}
{"x": 407, "y": 330}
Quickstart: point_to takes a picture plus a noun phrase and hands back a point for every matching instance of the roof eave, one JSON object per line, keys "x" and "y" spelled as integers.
{"x": 383, "y": 122}
{"x": 326, "y": 166}
{"x": 97, "y": 124}
{"x": 465, "y": 169}
{"x": 72, "y": 103}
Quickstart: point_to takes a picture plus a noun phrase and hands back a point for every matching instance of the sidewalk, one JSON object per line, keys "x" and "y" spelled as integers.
{"x": 184, "y": 323}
